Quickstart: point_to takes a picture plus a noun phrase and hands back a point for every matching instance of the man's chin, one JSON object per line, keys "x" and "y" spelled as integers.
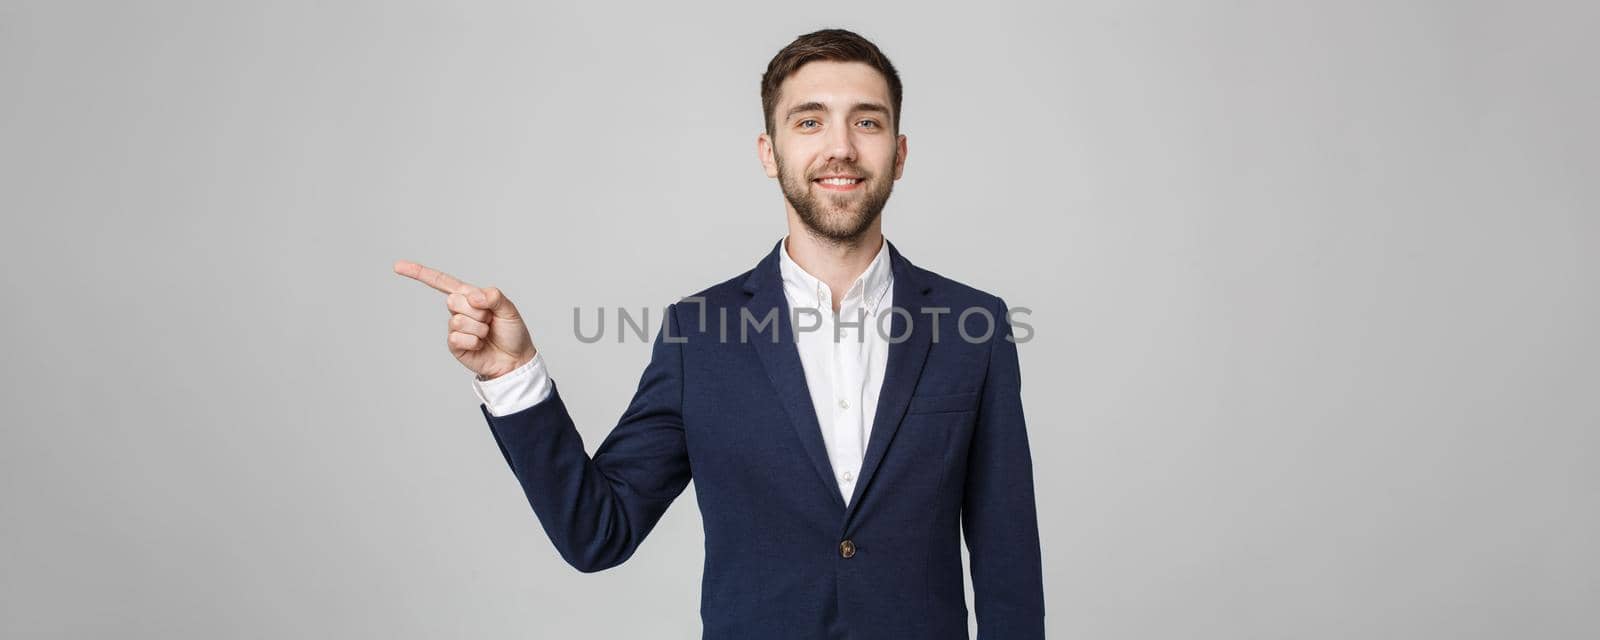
{"x": 841, "y": 228}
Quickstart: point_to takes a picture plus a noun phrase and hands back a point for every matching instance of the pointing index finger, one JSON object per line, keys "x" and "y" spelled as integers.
{"x": 435, "y": 278}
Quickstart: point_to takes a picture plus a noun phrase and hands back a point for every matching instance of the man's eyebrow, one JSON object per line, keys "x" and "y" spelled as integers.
{"x": 872, "y": 107}
{"x": 804, "y": 107}
{"x": 818, "y": 106}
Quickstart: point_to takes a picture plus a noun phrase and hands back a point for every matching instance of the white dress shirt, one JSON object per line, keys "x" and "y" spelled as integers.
{"x": 844, "y": 356}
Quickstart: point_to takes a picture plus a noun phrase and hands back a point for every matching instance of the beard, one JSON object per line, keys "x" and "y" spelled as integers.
{"x": 840, "y": 218}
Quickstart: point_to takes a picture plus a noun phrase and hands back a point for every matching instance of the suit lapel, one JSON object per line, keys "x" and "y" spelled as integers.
{"x": 904, "y": 368}
{"x": 781, "y": 359}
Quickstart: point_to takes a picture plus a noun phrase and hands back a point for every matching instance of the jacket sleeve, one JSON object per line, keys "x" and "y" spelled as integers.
{"x": 998, "y": 515}
{"x": 598, "y": 510}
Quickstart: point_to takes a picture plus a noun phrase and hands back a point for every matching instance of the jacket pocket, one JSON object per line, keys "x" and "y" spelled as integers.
{"x": 944, "y": 403}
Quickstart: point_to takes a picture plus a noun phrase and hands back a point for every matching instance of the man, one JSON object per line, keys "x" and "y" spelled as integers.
{"x": 844, "y": 428}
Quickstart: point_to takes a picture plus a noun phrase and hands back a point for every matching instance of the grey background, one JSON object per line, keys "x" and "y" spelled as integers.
{"x": 1314, "y": 290}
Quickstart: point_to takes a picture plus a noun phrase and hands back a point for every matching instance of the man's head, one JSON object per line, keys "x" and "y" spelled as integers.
{"x": 832, "y": 106}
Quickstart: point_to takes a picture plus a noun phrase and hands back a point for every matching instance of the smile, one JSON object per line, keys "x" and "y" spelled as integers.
{"x": 838, "y": 183}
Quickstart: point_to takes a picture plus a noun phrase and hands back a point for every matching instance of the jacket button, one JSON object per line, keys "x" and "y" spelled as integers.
{"x": 847, "y": 549}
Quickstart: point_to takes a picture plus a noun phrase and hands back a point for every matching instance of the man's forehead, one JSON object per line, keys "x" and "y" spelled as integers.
{"x": 834, "y": 84}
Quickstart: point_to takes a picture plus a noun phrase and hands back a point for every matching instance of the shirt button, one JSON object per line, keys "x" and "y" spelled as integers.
{"x": 848, "y": 476}
{"x": 847, "y": 549}
{"x": 844, "y": 404}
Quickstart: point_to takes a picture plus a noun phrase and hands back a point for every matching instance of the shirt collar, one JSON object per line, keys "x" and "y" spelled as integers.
{"x": 868, "y": 287}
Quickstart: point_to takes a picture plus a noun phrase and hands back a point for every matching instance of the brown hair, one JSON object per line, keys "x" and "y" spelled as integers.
{"x": 837, "y": 45}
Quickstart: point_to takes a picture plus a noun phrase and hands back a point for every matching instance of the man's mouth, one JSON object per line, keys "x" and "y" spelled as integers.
{"x": 838, "y": 183}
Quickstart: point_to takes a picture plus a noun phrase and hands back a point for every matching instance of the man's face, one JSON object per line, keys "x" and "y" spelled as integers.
{"x": 833, "y": 149}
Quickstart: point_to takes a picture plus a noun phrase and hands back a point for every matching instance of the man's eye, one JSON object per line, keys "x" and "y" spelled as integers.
{"x": 870, "y": 123}
{"x": 803, "y": 123}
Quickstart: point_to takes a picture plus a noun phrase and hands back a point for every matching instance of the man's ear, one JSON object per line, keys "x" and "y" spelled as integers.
{"x": 764, "y": 152}
{"x": 900, "y": 156}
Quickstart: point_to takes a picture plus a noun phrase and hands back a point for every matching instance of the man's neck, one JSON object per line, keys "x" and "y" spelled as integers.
{"x": 836, "y": 264}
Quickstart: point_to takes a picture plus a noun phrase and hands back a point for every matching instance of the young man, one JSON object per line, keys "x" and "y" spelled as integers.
{"x": 851, "y": 420}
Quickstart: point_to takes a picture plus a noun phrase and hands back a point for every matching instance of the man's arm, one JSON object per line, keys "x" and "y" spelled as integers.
{"x": 598, "y": 510}
{"x": 998, "y": 514}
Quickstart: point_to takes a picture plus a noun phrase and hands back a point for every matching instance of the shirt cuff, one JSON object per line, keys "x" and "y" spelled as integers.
{"x": 523, "y": 387}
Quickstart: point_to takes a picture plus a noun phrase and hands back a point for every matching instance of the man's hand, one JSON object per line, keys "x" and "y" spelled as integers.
{"x": 486, "y": 333}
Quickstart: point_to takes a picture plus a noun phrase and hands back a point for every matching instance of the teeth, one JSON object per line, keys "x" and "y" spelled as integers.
{"x": 838, "y": 181}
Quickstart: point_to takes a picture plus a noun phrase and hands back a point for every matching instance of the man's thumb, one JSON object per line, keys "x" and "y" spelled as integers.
{"x": 496, "y": 302}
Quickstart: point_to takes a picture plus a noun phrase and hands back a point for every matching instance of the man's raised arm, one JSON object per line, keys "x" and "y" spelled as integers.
{"x": 596, "y": 510}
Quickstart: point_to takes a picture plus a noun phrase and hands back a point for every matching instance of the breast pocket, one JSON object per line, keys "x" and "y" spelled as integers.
{"x": 944, "y": 403}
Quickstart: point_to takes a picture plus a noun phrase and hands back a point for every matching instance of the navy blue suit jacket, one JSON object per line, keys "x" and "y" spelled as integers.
{"x": 784, "y": 556}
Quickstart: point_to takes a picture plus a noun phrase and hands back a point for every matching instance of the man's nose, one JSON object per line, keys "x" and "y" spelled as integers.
{"x": 841, "y": 146}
